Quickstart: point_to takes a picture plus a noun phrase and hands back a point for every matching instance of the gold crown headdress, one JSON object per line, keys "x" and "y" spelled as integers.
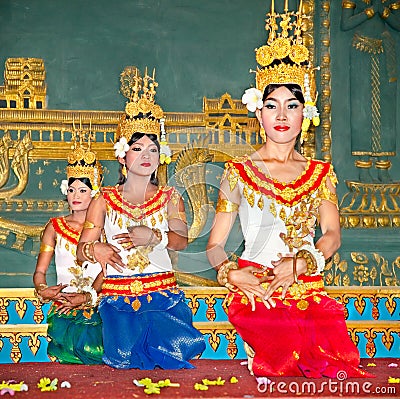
{"x": 82, "y": 160}
{"x": 285, "y": 60}
{"x": 142, "y": 114}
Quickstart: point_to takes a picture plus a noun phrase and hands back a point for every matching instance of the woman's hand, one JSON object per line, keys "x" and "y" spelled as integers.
{"x": 245, "y": 280}
{"x": 282, "y": 276}
{"x": 70, "y": 301}
{"x": 53, "y": 292}
{"x": 137, "y": 236}
{"x": 107, "y": 254}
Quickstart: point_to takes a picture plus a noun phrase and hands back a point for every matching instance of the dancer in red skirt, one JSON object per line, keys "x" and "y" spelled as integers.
{"x": 277, "y": 302}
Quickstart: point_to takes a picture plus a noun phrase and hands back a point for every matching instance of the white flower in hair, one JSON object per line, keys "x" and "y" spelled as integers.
{"x": 64, "y": 186}
{"x": 121, "y": 147}
{"x": 253, "y": 99}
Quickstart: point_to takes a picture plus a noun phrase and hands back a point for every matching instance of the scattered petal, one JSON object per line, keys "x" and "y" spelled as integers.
{"x": 138, "y": 384}
{"x": 393, "y": 365}
{"x": 65, "y": 384}
{"x": 145, "y": 381}
{"x": 392, "y": 380}
{"x": 24, "y": 387}
{"x": 233, "y": 380}
{"x": 7, "y": 390}
{"x": 46, "y": 385}
{"x": 263, "y": 381}
{"x": 200, "y": 387}
{"x": 152, "y": 388}
{"x": 371, "y": 365}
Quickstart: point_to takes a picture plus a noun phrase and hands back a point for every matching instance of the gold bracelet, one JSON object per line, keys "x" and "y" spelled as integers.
{"x": 369, "y": 12}
{"x": 222, "y": 276}
{"x": 295, "y": 269}
{"x": 88, "y": 297}
{"x": 87, "y": 254}
{"x": 157, "y": 233}
{"x": 386, "y": 13}
{"x": 38, "y": 295}
{"x": 311, "y": 262}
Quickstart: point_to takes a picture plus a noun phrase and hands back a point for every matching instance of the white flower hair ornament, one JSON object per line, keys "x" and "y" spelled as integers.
{"x": 310, "y": 111}
{"x": 165, "y": 151}
{"x": 64, "y": 187}
{"x": 121, "y": 147}
{"x": 252, "y": 98}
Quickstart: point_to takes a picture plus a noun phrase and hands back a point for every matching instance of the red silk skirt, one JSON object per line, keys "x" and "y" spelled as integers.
{"x": 304, "y": 335}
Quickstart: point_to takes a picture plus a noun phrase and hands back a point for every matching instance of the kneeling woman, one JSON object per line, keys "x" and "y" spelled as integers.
{"x": 74, "y": 325}
{"x": 146, "y": 322}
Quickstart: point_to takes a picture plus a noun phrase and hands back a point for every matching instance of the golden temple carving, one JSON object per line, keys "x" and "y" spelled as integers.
{"x": 370, "y": 205}
{"x": 24, "y": 84}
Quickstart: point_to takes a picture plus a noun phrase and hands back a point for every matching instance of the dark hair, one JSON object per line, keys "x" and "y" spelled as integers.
{"x": 293, "y": 88}
{"x": 135, "y": 137}
{"x": 84, "y": 180}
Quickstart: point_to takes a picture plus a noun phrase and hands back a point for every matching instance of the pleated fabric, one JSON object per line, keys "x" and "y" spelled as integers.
{"x": 76, "y": 337}
{"x": 304, "y": 335}
{"x": 159, "y": 333}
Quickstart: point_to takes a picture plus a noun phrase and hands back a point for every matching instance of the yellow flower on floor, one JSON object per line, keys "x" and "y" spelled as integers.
{"x": 45, "y": 384}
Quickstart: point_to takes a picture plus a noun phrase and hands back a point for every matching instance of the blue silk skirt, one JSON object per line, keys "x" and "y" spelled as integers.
{"x": 159, "y": 333}
{"x": 75, "y": 337}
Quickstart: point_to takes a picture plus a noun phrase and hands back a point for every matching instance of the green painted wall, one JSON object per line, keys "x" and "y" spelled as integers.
{"x": 202, "y": 48}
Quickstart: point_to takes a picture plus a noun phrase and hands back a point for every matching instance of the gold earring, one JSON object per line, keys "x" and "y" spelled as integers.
{"x": 124, "y": 171}
{"x": 303, "y": 136}
{"x": 263, "y": 134}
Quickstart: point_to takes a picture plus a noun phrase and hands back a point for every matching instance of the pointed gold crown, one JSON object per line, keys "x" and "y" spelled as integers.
{"x": 285, "y": 59}
{"x": 82, "y": 160}
{"x": 142, "y": 114}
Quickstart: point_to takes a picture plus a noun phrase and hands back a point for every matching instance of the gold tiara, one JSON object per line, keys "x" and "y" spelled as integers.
{"x": 82, "y": 161}
{"x": 284, "y": 58}
{"x": 142, "y": 114}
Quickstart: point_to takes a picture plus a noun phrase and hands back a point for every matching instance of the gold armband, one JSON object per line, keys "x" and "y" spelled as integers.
{"x": 395, "y": 6}
{"x": 90, "y": 225}
{"x": 222, "y": 276}
{"x": 386, "y": 13}
{"x": 348, "y": 4}
{"x": 369, "y": 12}
{"x": 45, "y": 248}
{"x": 224, "y": 205}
